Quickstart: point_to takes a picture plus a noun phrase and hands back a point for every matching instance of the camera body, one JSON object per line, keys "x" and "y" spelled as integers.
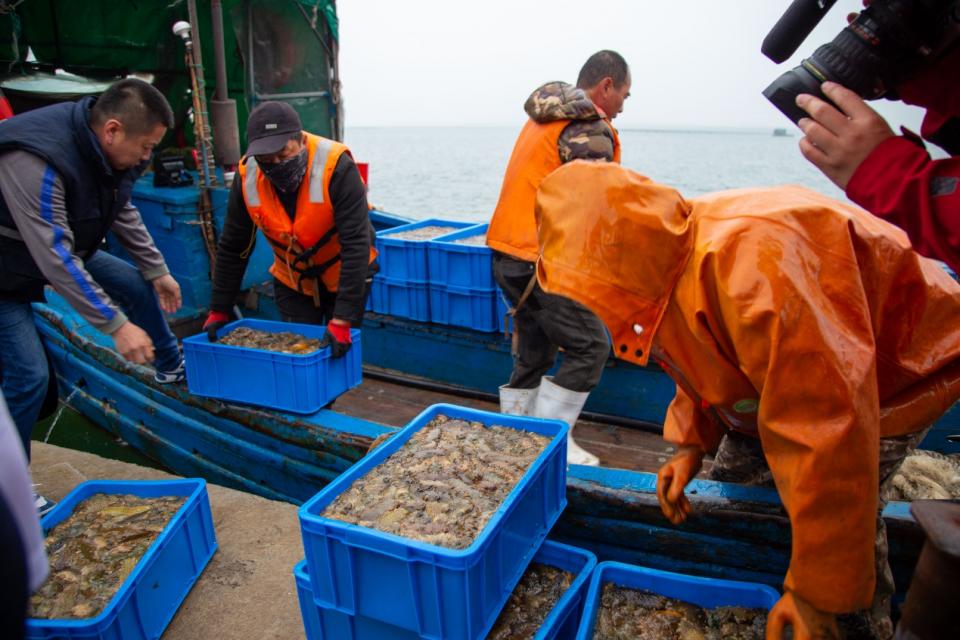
{"x": 886, "y": 43}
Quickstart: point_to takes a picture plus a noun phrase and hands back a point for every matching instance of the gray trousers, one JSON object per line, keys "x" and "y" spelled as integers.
{"x": 740, "y": 459}
{"x": 546, "y": 323}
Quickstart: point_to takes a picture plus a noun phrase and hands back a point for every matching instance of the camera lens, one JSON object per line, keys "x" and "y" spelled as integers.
{"x": 783, "y": 91}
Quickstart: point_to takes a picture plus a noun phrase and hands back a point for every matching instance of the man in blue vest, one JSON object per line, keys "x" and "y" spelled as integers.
{"x": 66, "y": 174}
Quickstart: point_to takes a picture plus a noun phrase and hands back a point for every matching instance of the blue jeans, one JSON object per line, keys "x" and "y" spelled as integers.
{"x": 23, "y": 362}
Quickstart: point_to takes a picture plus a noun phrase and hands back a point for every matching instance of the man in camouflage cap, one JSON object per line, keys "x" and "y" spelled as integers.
{"x": 566, "y": 123}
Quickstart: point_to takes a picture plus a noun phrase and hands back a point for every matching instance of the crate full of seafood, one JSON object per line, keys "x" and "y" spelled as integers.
{"x": 627, "y": 601}
{"x": 123, "y": 555}
{"x": 402, "y": 251}
{"x": 281, "y": 365}
{"x": 545, "y": 605}
{"x": 432, "y": 530}
{"x": 462, "y": 259}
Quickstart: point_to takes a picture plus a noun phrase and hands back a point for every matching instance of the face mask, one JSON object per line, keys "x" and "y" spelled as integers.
{"x": 286, "y": 176}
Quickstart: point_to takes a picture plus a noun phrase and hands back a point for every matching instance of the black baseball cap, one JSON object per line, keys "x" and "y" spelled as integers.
{"x": 269, "y": 127}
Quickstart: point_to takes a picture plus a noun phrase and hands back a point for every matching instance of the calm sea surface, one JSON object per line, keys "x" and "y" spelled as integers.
{"x": 456, "y": 173}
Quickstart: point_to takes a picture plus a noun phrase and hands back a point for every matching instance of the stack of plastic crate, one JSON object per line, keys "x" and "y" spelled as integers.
{"x": 402, "y": 286}
{"x": 359, "y": 583}
{"x": 463, "y": 292}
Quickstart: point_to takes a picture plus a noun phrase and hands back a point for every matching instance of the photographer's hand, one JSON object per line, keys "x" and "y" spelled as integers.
{"x": 835, "y": 141}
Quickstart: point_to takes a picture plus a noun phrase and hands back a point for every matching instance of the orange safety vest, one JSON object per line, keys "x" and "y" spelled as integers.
{"x": 513, "y": 228}
{"x": 307, "y": 247}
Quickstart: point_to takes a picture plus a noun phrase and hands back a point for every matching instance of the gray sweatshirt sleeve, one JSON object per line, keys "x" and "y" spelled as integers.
{"x": 35, "y": 197}
{"x": 133, "y": 235}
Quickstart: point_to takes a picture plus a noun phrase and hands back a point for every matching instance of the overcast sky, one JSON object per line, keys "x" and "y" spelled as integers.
{"x": 695, "y": 63}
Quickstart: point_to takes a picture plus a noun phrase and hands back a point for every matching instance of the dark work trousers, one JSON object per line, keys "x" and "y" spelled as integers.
{"x": 546, "y": 323}
{"x": 13, "y": 577}
{"x": 297, "y": 307}
{"x": 740, "y": 459}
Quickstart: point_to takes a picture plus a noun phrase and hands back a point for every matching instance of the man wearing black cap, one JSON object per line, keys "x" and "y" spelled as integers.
{"x": 305, "y": 193}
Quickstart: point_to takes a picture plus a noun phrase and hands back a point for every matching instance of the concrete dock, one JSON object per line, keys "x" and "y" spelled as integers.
{"x": 247, "y": 590}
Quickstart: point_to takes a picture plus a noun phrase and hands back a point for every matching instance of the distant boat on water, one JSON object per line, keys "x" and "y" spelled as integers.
{"x": 781, "y": 133}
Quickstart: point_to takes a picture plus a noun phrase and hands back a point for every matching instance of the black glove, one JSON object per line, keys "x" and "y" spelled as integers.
{"x": 215, "y": 321}
{"x": 337, "y": 337}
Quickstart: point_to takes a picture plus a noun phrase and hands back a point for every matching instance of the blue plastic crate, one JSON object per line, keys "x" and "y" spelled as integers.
{"x": 322, "y": 623}
{"x": 401, "y": 298}
{"x": 462, "y": 307}
{"x": 704, "y": 592}
{"x": 454, "y": 594}
{"x": 460, "y": 265}
{"x": 149, "y": 597}
{"x": 297, "y": 383}
{"x": 407, "y": 259}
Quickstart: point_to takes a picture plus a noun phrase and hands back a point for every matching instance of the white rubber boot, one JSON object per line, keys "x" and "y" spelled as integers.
{"x": 554, "y": 401}
{"x": 517, "y": 402}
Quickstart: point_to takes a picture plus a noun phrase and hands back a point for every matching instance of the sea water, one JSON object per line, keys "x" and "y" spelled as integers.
{"x": 456, "y": 172}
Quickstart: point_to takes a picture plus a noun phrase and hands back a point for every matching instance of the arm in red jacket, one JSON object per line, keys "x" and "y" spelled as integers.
{"x": 900, "y": 183}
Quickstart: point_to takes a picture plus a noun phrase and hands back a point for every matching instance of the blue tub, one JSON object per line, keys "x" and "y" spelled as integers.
{"x": 434, "y": 591}
{"x": 704, "y": 592}
{"x": 407, "y": 259}
{"x": 400, "y": 298}
{"x": 321, "y": 623}
{"x": 460, "y": 265}
{"x": 296, "y": 383}
{"x": 461, "y": 307}
{"x": 151, "y": 594}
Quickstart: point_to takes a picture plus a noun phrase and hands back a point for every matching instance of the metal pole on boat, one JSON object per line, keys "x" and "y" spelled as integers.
{"x": 223, "y": 109}
{"x": 201, "y": 133}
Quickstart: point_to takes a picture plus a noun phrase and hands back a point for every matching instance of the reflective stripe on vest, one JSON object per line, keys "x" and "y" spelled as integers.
{"x": 324, "y": 147}
{"x": 250, "y": 193}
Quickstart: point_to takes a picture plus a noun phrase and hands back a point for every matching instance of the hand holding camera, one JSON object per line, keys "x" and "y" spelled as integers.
{"x": 837, "y": 139}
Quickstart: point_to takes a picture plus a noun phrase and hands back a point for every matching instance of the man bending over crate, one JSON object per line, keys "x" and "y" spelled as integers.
{"x": 66, "y": 175}
{"x": 306, "y": 195}
{"x": 812, "y": 349}
{"x": 566, "y": 123}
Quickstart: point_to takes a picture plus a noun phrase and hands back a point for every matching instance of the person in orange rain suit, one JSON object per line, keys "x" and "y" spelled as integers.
{"x": 782, "y": 315}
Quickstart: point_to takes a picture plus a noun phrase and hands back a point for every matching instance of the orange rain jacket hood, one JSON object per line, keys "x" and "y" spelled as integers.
{"x": 780, "y": 313}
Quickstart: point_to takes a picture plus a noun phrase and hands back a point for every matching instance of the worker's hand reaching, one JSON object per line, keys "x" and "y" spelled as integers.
{"x": 673, "y": 476}
{"x": 169, "y": 293}
{"x": 133, "y": 343}
{"x": 808, "y": 623}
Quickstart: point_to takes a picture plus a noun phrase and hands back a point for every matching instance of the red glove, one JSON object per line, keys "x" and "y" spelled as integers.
{"x": 215, "y": 321}
{"x": 673, "y": 476}
{"x": 808, "y": 623}
{"x": 337, "y": 337}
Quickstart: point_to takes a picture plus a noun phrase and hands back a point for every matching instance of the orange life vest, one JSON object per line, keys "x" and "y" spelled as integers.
{"x": 513, "y": 228}
{"x": 307, "y": 247}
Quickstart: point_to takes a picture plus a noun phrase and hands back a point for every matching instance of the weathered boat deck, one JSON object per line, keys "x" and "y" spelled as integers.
{"x": 247, "y": 590}
{"x": 395, "y": 404}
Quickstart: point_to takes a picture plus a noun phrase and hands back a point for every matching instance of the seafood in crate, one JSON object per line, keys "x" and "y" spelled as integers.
{"x": 282, "y": 342}
{"x": 534, "y": 597}
{"x": 640, "y": 615}
{"x": 479, "y": 240}
{"x": 421, "y": 233}
{"x": 93, "y": 551}
{"x": 443, "y": 485}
